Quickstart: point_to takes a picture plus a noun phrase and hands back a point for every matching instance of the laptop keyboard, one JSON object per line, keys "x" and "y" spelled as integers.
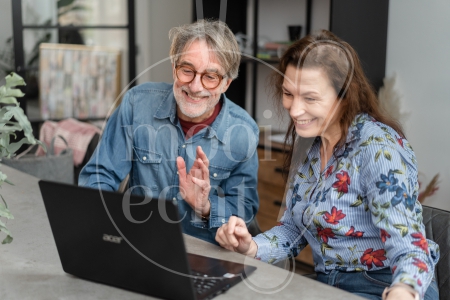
{"x": 203, "y": 284}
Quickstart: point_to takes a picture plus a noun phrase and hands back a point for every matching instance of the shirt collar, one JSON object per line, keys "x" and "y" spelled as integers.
{"x": 218, "y": 129}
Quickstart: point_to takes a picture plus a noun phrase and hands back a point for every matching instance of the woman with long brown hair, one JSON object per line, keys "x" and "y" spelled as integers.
{"x": 352, "y": 188}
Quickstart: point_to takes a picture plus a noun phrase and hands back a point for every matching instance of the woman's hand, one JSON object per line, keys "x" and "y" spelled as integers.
{"x": 234, "y": 236}
{"x": 399, "y": 291}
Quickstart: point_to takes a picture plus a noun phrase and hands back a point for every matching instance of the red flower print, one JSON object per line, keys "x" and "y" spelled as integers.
{"x": 325, "y": 234}
{"x": 384, "y": 235}
{"x": 373, "y": 257}
{"x": 334, "y": 217}
{"x": 393, "y": 269}
{"x": 419, "y": 282}
{"x": 400, "y": 141}
{"x": 422, "y": 243}
{"x": 343, "y": 182}
{"x": 420, "y": 264}
{"x": 352, "y": 232}
{"x": 329, "y": 171}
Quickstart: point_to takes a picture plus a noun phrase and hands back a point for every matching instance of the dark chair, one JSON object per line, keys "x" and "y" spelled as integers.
{"x": 437, "y": 227}
{"x": 253, "y": 227}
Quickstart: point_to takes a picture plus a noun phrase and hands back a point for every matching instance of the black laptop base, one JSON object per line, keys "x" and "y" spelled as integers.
{"x": 139, "y": 250}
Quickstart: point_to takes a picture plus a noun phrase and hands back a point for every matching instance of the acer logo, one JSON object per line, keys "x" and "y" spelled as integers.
{"x": 112, "y": 238}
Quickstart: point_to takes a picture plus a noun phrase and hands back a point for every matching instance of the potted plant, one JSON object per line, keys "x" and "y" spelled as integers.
{"x": 12, "y": 121}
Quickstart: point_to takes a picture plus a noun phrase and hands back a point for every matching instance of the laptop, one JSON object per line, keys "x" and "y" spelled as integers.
{"x": 131, "y": 242}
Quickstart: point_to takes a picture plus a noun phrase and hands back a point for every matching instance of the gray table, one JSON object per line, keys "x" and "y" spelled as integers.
{"x": 30, "y": 266}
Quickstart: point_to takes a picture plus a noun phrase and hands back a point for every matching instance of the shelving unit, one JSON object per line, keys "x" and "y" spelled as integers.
{"x": 363, "y": 24}
{"x": 255, "y": 8}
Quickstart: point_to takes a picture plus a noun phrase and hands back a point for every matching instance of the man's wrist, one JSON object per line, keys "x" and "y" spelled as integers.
{"x": 206, "y": 214}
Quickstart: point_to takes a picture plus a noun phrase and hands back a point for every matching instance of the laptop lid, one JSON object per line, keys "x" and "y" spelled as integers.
{"x": 130, "y": 242}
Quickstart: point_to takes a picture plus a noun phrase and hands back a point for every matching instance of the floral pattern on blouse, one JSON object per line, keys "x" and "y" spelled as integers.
{"x": 361, "y": 213}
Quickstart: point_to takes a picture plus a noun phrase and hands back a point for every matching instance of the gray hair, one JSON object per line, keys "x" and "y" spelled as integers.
{"x": 218, "y": 37}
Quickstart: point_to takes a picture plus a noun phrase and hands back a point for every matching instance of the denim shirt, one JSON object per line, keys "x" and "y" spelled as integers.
{"x": 143, "y": 138}
{"x": 360, "y": 213}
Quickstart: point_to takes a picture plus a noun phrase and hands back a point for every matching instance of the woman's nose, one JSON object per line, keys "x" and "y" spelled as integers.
{"x": 297, "y": 108}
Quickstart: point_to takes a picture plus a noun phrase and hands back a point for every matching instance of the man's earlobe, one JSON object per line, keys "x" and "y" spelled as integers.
{"x": 225, "y": 87}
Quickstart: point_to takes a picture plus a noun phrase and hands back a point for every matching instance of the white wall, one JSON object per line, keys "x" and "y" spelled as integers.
{"x": 154, "y": 20}
{"x": 418, "y": 52}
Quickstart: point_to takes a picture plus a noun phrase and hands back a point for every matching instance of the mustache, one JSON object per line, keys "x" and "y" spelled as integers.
{"x": 199, "y": 94}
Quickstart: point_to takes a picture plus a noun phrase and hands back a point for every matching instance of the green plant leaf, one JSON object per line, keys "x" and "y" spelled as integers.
{"x": 3, "y": 228}
{"x": 4, "y": 212}
{"x": 10, "y": 92}
{"x": 64, "y": 3}
{"x": 22, "y": 119}
{"x": 13, "y": 80}
{"x": 8, "y": 239}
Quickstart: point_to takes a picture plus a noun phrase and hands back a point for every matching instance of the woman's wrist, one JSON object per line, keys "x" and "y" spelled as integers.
{"x": 400, "y": 290}
{"x": 252, "y": 250}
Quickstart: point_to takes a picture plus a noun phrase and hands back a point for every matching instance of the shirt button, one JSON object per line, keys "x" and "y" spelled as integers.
{"x": 184, "y": 146}
{"x": 144, "y": 158}
{"x": 215, "y": 175}
{"x": 223, "y": 220}
{"x": 178, "y": 173}
{"x": 174, "y": 199}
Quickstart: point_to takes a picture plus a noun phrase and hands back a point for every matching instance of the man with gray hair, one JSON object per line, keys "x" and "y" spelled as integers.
{"x": 185, "y": 142}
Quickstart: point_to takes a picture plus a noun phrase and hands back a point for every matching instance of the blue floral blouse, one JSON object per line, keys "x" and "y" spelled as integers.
{"x": 361, "y": 213}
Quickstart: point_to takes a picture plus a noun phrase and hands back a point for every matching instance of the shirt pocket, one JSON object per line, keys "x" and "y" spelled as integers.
{"x": 217, "y": 175}
{"x": 147, "y": 162}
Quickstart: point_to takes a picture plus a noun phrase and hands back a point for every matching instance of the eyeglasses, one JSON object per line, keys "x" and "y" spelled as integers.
{"x": 187, "y": 74}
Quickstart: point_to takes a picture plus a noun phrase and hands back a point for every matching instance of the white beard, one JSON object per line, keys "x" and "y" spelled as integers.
{"x": 194, "y": 110}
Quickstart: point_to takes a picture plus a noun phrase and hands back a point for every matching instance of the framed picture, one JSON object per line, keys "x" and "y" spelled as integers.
{"x": 77, "y": 81}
